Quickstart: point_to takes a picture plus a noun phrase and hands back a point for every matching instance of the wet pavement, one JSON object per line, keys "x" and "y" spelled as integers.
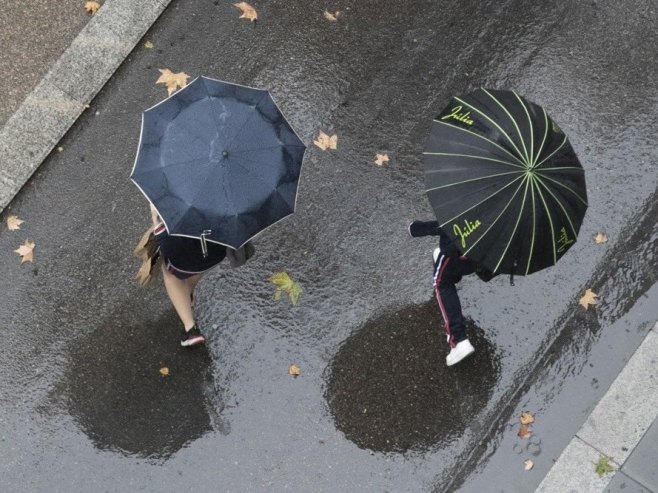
{"x": 84, "y": 404}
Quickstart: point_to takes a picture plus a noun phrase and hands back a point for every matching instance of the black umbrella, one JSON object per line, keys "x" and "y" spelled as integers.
{"x": 218, "y": 161}
{"x": 504, "y": 181}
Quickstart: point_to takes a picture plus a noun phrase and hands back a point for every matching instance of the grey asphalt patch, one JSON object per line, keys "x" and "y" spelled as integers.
{"x": 47, "y": 113}
{"x": 614, "y": 428}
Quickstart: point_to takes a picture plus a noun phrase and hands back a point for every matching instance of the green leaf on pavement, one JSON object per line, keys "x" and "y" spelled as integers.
{"x": 284, "y": 284}
{"x": 603, "y": 466}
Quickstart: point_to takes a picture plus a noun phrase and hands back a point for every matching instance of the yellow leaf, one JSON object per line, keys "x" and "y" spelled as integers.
{"x": 589, "y": 298}
{"x": 294, "y": 370}
{"x": 26, "y": 251}
{"x": 528, "y": 464}
{"x": 164, "y": 371}
{"x": 601, "y": 238}
{"x": 92, "y": 7}
{"x": 325, "y": 141}
{"x": 14, "y": 223}
{"x": 171, "y": 80}
{"x": 148, "y": 45}
{"x": 331, "y": 17}
{"x": 380, "y": 159}
{"x": 284, "y": 284}
{"x": 248, "y": 12}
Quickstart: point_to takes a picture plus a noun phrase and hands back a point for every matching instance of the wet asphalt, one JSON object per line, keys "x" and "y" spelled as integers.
{"x": 84, "y": 406}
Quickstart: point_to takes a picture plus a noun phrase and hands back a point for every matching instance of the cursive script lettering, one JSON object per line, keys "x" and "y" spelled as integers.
{"x": 466, "y": 230}
{"x": 563, "y": 241}
{"x": 456, "y": 114}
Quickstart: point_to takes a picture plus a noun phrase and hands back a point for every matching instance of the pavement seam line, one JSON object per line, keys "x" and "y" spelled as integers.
{"x": 58, "y": 100}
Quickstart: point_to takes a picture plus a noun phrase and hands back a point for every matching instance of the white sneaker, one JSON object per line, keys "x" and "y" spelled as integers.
{"x": 459, "y": 352}
{"x": 435, "y": 255}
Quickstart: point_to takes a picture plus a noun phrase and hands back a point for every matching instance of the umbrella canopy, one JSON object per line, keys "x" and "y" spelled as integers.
{"x": 218, "y": 161}
{"x": 504, "y": 181}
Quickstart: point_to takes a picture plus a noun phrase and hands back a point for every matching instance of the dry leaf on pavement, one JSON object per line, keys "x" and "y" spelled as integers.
{"x": 148, "y": 45}
{"x": 325, "y": 141}
{"x": 528, "y": 464}
{"x": 526, "y": 420}
{"x": 331, "y": 17}
{"x": 248, "y": 12}
{"x": 381, "y": 159}
{"x": 26, "y": 251}
{"x": 171, "y": 80}
{"x": 589, "y": 298}
{"x": 14, "y": 223}
{"x": 92, "y": 7}
{"x": 164, "y": 371}
{"x": 294, "y": 370}
{"x": 601, "y": 238}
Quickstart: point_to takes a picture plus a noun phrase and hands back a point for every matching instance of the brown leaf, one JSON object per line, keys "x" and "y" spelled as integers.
{"x": 528, "y": 464}
{"x": 526, "y": 418}
{"x": 381, "y": 159}
{"x": 171, "y": 80}
{"x": 92, "y": 7}
{"x": 14, "y": 223}
{"x": 601, "y": 238}
{"x": 524, "y": 431}
{"x": 248, "y": 12}
{"x": 164, "y": 371}
{"x": 26, "y": 251}
{"x": 294, "y": 370}
{"x": 331, "y": 17}
{"x": 325, "y": 141}
{"x": 589, "y": 298}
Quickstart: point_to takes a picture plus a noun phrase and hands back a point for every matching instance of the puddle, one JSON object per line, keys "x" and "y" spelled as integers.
{"x": 389, "y": 390}
{"x": 115, "y": 390}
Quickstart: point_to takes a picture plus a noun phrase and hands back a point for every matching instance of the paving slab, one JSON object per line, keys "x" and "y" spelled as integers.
{"x": 642, "y": 464}
{"x": 623, "y": 484}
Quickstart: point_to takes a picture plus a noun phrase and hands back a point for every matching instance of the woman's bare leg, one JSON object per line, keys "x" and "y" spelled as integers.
{"x": 179, "y": 291}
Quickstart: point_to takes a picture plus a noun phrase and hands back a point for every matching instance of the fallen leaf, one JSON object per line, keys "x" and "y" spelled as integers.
{"x": 284, "y": 284}
{"x": 325, "y": 141}
{"x": 524, "y": 431}
{"x": 381, "y": 159}
{"x": 528, "y": 464}
{"x": 26, "y": 251}
{"x": 14, "y": 223}
{"x": 248, "y": 12}
{"x": 294, "y": 370}
{"x": 60, "y": 149}
{"x": 164, "y": 371}
{"x": 526, "y": 418}
{"x": 589, "y": 298}
{"x": 331, "y": 17}
{"x": 601, "y": 238}
{"x": 148, "y": 45}
{"x": 171, "y": 80}
{"x": 92, "y": 7}
{"x": 603, "y": 466}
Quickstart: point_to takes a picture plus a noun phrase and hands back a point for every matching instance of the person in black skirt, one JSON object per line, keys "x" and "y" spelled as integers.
{"x": 183, "y": 266}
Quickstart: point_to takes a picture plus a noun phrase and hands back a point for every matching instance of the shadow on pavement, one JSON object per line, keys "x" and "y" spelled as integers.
{"x": 389, "y": 390}
{"x": 116, "y": 392}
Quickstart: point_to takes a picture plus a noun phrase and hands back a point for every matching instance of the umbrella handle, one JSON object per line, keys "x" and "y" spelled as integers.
{"x": 204, "y": 245}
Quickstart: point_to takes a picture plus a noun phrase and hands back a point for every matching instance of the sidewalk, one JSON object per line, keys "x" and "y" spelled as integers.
{"x": 622, "y": 427}
{"x": 72, "y": 81}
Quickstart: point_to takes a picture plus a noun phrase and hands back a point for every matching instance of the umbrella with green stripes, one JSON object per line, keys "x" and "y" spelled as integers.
{"x": 504, "y": 181}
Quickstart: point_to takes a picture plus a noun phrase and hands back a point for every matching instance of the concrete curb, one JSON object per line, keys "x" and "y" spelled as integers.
{"x": 614, "y": 428}
{"x": 59, "y": 99}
